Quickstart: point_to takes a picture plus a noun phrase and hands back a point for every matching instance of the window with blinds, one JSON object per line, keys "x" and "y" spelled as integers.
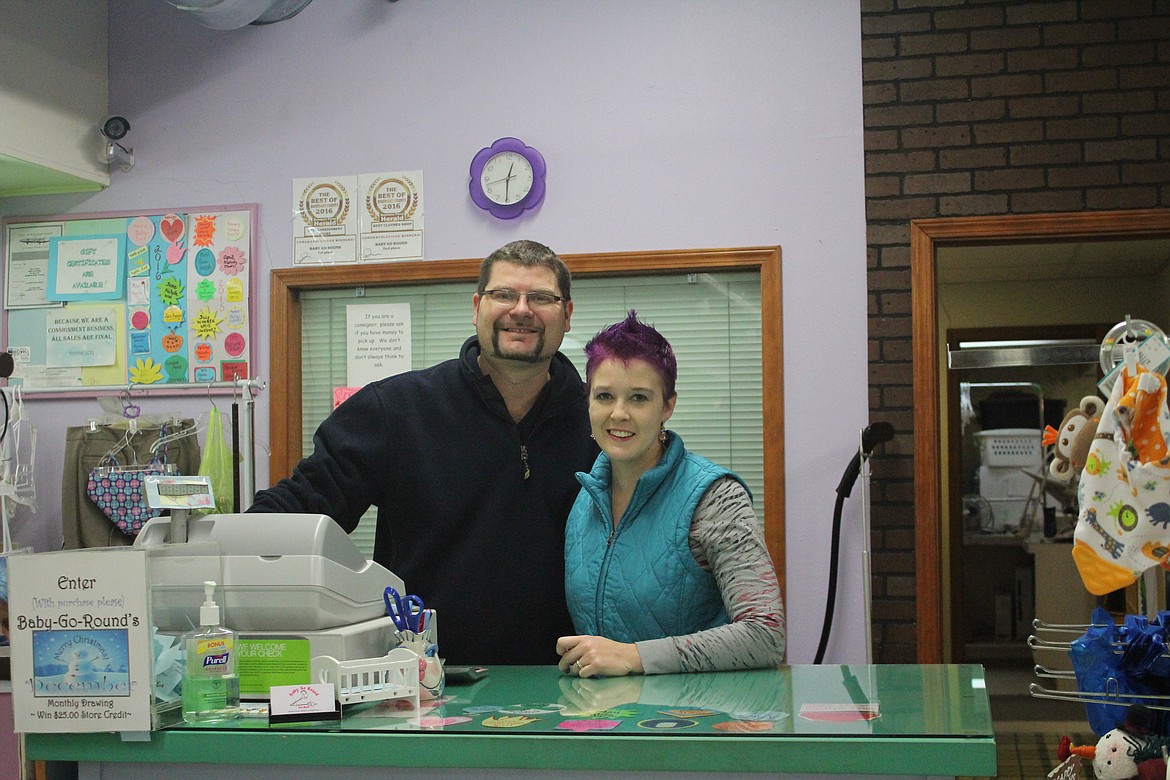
{"x": 712, "y": 320}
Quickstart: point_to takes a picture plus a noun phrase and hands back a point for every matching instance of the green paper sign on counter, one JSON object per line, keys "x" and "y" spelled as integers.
{"x": 271, "y": 661}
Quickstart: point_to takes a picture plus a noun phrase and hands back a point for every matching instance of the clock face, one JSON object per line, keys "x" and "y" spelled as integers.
{"x": 507, "y": 178}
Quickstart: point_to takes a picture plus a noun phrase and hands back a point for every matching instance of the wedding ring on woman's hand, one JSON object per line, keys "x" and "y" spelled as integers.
{"x": 576, "y": 667}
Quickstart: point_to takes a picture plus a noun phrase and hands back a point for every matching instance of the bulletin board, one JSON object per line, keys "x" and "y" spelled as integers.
{"x": 158, "y": 299}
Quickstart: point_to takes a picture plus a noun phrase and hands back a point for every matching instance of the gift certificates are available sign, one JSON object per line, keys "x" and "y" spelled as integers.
{"x": 80, "y": 641}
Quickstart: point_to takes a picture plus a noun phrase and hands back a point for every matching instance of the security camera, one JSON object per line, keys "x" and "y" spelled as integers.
{"x": 114, "y": 127}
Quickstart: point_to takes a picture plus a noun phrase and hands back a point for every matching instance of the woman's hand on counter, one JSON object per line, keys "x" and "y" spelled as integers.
{"x": 595, "y": 656}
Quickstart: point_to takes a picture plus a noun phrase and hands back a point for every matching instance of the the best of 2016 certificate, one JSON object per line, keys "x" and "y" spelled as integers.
{"x": 325, "y": 224}
{"x": 391, "y": 216}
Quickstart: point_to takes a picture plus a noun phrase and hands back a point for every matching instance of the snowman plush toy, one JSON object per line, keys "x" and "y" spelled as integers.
{"x": 1126, "y": 752}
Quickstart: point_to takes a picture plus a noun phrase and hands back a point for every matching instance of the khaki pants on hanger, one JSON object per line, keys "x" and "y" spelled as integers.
{"x": 82, "y": 523}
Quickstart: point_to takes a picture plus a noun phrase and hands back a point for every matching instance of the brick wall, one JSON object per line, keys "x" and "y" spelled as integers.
{"x": 977, "y": 108}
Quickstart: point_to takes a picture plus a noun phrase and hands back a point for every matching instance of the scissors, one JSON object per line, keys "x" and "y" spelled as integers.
{"x": 401, "y": 609}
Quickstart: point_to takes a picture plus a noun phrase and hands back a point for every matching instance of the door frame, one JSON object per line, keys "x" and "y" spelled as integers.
{"x": 926, "y": 237}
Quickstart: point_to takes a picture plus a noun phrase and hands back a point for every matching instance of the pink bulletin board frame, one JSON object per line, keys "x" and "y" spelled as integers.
{"x": 183, "y": 324}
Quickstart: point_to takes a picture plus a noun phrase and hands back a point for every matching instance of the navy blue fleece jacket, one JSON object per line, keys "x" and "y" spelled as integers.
{"x": 437, "y": 453}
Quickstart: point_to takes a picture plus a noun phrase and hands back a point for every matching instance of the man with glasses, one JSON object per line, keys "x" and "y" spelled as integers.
{"x": 471, "y": 464}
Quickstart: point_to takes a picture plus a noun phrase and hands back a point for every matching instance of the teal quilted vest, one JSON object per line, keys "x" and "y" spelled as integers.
{"x": 643, "y": 583}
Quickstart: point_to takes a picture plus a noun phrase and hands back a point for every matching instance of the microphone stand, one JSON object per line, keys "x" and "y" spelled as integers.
{"x": 866, "y": 583}
{"x": 871, "y": 436}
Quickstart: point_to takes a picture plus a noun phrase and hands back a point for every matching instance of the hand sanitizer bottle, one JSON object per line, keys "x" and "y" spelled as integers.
{"x": 211, "y": 687}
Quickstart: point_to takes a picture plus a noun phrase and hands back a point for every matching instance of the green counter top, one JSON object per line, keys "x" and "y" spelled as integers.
{"x": 904, "y": 719}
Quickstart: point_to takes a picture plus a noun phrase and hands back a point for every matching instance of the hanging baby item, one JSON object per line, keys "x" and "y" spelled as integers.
{"x": 1071, "y": 442}
{"x": 117, "y": 489}
{"x": 18, "y": 444}
{"x": 1123, "y": 527}
{"x": 217, "y": 462}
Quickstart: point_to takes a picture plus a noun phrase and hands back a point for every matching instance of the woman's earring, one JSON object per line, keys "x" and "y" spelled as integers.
{"x": 591, "y": 436}
{"x": 662, "y": 434}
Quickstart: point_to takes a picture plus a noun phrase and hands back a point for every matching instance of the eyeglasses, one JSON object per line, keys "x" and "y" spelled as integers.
{"x": 505, "y": 297}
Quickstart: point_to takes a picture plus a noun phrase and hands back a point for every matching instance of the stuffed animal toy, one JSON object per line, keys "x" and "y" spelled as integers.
{"x": 1071, "y": 443}
{"x": 1123, "y": 753}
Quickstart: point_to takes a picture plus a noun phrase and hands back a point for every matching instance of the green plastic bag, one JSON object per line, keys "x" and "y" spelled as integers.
{"x": 217, "y": 463}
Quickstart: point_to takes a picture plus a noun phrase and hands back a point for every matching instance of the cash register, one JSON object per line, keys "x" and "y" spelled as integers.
{"x": 282, "y": 575}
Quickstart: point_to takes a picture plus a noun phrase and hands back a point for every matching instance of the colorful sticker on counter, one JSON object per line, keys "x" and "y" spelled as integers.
{"x": 436, "y": 722}
{"x": 508, "y": 721}
{"x": 688, "y": 713}
{"x": 533, "y": 709}
{"x": 772, "y": 715}
{"x": 840, "y": 713}
{"x": 613, "y": 713}
{"x": 742, "y": 726}
{"x": 667, "y": 724}
{"x": 480, "y": 709}
{"x": 588, "y": 725}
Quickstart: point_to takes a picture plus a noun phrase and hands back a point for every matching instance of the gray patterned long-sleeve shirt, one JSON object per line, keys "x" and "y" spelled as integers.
{"x": 726, "y": 540}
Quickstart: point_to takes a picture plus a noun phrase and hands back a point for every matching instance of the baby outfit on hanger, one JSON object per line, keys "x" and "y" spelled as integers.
{"x": 88, "y": 447}
{"x": 1123, "y": 527}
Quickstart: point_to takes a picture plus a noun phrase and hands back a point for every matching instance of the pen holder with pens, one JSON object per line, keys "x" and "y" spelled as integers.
{"x": 431, "y": 678}
{"x": 418, "y": 630}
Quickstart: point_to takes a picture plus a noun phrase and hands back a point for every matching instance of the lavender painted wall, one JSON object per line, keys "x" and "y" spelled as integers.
{"x": 665, "y": 125}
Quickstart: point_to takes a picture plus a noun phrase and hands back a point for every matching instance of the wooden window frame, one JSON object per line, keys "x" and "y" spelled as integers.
{"x": 287, "y": 284}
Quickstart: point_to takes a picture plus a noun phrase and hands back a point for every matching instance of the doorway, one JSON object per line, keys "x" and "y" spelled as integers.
{"x": 1004, "y": 508}
{"x": 1042, "y": 269}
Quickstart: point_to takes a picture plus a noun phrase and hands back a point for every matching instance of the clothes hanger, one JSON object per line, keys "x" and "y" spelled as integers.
{"x": 181, "y": 432}
{"x": 121, "y": 411}
{"x": 130, "y": 413}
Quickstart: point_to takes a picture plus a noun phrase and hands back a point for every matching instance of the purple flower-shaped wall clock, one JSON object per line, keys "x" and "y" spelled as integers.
{"x": 507, "y": 178}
